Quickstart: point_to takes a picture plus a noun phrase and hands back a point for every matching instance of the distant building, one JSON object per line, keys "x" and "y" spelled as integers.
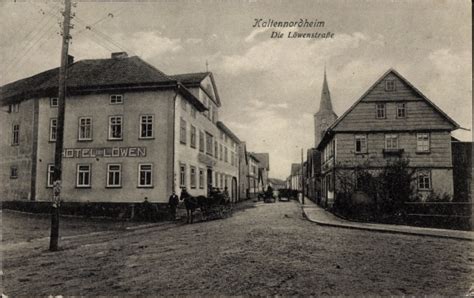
{"x": 295, "y": 178}
{"x": 391, "y": 120}
{"x": 253, "y": 176}
{"x": 263, "y": 169}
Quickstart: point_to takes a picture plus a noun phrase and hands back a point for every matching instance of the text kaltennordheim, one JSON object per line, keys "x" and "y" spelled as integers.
{"x": 301, "y": 23}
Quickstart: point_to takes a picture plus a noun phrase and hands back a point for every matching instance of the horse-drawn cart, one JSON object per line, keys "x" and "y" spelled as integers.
{"x": 216, "y": 206}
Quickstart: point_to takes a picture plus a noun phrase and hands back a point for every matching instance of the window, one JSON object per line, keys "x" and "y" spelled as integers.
{"x": 389, "y": 85}
{"x": 182, "y": 175}
{"x": 114, "y": 175}
{"x": 424, "y": 180}
{"x": 146, "y": 126}
{"x": 201, "y": 141}
{"x": 50, "y": 177}
{"x": 184, "y": 104}
{"x": 14, "y": 108}
{"x": 216, "y": 180}
{"x": 83, "y": 176}
{"x": 226, "y": 155}
{"x": 380, "y": 110}
{"x": 115, "y": 127}
{"x": 54, "y": 102}
{"x": 401, "y": 110}
{"x": 205, "y": 104}
{"x": 222, "y": 181}
{"x": 16, "y": 134}
{"x": 53, "y": 129}
{"x": 193, "y": 112}
{"x": 222, "y": 135}
{"x": 216, "y": 150}
{"x": 201, "y": 178}
{"x": 221, "y": 152}
{"x": 13, "y": 172}
{"x": 209, "y": 143}
{"x": 360, "y": 144}
{"x": 193, "y": 136}
{"x": 116, "y": 99}
{"x": 85, "y": 128}
{"x": 192, "y": 172}
{"x": 182, "y": 131}
{"x": 423, "y": 142}
{"x": 232, "y": 160}
{"x": 391, "y": 142}
{"x": 145, "y": 175}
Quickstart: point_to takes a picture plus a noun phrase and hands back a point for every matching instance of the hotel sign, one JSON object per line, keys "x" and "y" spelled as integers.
{"x": 104, "y": 152}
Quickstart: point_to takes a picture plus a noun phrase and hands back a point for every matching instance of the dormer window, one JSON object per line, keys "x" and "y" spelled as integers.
{"x": 116, "y": 99}
{"x": 53, "y": 102}
{"x": 14, "y": 108}
{"x": 389, "y": 85}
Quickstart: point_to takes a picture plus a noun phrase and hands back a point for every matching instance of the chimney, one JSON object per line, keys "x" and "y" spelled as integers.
{"x": 119, "y": 55}
{"x": 70, "y": 59}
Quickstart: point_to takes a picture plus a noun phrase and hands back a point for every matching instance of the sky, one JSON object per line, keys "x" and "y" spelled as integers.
{"x": 270, "y": 88}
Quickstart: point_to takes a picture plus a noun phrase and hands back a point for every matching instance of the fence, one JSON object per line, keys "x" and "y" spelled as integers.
{"x": 450, "y": 215}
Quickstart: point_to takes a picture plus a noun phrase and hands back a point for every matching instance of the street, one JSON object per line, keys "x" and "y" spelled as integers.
{"x": 263, "y": 249}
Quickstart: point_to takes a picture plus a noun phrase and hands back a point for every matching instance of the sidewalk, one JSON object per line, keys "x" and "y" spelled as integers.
{"x": 317, "y": 214}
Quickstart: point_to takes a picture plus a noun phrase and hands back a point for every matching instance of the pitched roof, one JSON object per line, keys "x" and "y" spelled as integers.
{"x": 264, "y": 159}
{"x": 222, "y": 126}
{"x": 89, "y": 74}
{"x": 295, "y": 168}
{"x": 391, "y": 70}
{"x": 190, "y": 78}
{"x": 251, "y": 155}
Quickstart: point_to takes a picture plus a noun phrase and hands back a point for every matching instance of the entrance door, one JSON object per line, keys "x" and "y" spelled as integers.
{"x": 234, "y": 189}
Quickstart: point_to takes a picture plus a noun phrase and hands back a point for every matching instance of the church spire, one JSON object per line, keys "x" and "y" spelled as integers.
{"x": 325, "y": 104}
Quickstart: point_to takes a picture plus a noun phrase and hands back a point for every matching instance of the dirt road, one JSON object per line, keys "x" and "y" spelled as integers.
{"x": 264, "y": 249}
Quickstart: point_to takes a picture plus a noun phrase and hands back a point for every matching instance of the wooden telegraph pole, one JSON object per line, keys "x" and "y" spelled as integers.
{"x": 302, "y": 178}
{"x": 53, "y": 244}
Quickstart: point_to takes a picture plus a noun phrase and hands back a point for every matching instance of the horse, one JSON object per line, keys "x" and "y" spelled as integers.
{"x": 192, "y": 203}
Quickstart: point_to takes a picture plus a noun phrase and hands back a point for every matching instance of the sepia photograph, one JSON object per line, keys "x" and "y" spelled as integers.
{"x": 236, "y": 148}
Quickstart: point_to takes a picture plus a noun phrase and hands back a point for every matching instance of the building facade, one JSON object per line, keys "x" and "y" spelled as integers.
{"x": 391, "y": 121}
{"x": 130, "y": 132}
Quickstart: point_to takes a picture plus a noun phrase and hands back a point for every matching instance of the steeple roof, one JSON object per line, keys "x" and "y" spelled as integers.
{"x": 325, "y": 103}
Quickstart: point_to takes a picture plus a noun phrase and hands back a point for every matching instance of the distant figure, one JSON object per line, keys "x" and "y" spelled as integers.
{"x": 226, "y": 193}
{"x": 270, "y": 192}
{"x": 173, "y": 202}
{"x": 147, "y": 209}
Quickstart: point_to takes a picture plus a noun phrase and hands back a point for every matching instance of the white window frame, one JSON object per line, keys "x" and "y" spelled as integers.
{"x": 193, "y": 136}
{"x": 423, "y": 142}
{"x": 209, "y": 143}
{"x": 182, "y": 131}
{"x": 387, "y": 143}
{"x": 226, "y": 154}
{"x": 192, "y": 177}
{"x": 202, "y": 141}
{"x": 147, "y": 122}
{"x": 401, "y": 107}
{"x": 201, "y": 178}
{"x": 140, "y": 171}
{"x": 111, "y": 130}
{"x": 50, "y": 175}
{"x": 114, "y": 173}
{"x": 221, "y": 152}
{"x": 86, "y": 126}
{"x": 16, "y": 135}
{"x": 79, "y": 172}
{"x": 51, "y": 102}
{"x": 363, "y": 144}
{"x": 380, "y": 107}
{"x": 53, "y": 129}
{"x": 423, "y": 174}
{"x": 116, "y": 99}
{"x": 182, "y": 175}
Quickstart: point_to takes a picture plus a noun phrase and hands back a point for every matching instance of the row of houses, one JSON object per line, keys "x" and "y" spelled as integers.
{"x": 391, "y": 121}
{"x": 131, "y": 132}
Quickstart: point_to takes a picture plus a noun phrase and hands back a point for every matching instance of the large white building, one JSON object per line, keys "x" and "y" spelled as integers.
{"x": 130, "y": 132}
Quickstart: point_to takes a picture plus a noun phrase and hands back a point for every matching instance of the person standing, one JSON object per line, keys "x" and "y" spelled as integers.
{"x": 173, "y": 204}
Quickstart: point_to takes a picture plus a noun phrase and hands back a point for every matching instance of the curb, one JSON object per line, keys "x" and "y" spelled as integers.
{"x": 355, "y": 227}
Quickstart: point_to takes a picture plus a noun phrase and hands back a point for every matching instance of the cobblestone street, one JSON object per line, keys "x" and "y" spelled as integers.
{"x": 263, "y": 249}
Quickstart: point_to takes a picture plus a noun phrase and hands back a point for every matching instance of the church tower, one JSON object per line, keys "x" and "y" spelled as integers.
{"x": 325, "y": 116}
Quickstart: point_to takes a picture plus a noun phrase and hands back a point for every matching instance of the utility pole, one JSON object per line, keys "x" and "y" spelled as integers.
{"x": 302, "y": 178}
{"x": 53, "y": 243}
